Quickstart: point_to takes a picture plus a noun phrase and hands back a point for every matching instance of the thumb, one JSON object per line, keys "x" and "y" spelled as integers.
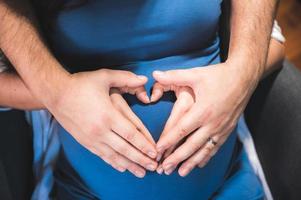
{"x": 172, "y": 77}
{"x": 120, "y": 78}
{"x": 157, "y": 92}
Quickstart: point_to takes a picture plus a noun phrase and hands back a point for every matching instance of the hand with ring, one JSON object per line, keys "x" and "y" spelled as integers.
{"x": 209, "y": 103}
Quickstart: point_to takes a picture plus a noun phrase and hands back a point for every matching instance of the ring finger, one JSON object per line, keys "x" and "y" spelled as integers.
{"x": 130, "y": 152}
{"x": 118, "y": 161}
{"x": 202, "y": 156}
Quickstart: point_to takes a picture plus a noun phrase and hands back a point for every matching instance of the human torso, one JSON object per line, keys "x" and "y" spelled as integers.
{"x": 141, "y": 36}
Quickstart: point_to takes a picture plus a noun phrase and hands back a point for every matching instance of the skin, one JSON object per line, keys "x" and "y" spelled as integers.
{"x": 185, "y": 101}
{"x": 112, "y": 136}
{"x": 13, "y": 93}
{"x": 220, "y": 92}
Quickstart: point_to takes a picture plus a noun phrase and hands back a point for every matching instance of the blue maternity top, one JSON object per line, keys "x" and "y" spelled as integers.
{"x": 140, "y": 36}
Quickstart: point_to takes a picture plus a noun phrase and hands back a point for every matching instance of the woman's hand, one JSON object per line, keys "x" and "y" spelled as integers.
{"x": 185, "y": 100}
{"x": 86, "y": 110}
{"x": 220, "y": 93}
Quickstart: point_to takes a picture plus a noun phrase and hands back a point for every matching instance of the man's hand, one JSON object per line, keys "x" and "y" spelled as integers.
{"x": 220, "y": 94}
{"x": 101, "y": 124}
{"x": 122, "y": 106}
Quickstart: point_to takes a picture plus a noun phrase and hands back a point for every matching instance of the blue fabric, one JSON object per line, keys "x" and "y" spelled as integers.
{"x": 140, "y": 36}
{"x": 242, "y": 183}
{"x": 46, "y": 146}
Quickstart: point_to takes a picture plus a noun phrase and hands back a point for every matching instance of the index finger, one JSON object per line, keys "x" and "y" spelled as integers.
{"x": 186, "y": 125}
{"x": 124, "y": 108}
{"x": 129, "y": 132}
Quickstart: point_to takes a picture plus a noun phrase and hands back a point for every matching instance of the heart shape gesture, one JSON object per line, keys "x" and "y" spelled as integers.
{"x": 209, "y": 103}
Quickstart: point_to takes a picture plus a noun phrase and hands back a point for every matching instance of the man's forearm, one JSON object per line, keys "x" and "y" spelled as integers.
{"x": 14, "y": 94}
{"x": 24, "y": 47}
{"x": 251, "y": 25}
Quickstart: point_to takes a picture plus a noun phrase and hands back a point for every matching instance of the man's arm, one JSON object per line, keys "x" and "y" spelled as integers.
{"x": 22, "y": 43}
{"x": 251, "y": 25}
{"x": 76, "y": 101}
{"x": 14, "y": 94}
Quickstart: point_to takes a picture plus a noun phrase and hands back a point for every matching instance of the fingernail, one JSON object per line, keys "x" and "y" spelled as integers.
{"x": 147, "y": 100}
{"x": 185, "y": 171}
{"x": 159, "y": 157}
{"x": 121, "y": 169}
{"x": 169, "y": 169}
{"x": 141, "y": 77}
{"x": 139, "y": 173}
{"x": 152, "y": 154}
{"x": 151, "y": 167}
{"x": 202, "y": 164}
{"x": 157, "y": 72}
{"x": 152, "y": 98}
{"x": 160, "y": 149}
{"x": 160, "y": 170}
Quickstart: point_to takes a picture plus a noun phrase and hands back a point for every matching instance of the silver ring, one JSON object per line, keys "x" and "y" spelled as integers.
{"x": 210, "y": 140}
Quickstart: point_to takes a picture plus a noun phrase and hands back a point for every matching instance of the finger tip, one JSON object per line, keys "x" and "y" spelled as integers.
{"x": 153, "y": 99}
{"x": 159, "y": 170}
{"x": 201, "y": 165}
{"x": 182, "y": 172}
{"x": 159, "y": 156}
{"x": 121, "y": 169}
{"x": 160, "y": 148}
{"x": 152, "y": 154}
{"x": 146, "y": 100}
{"x": 156, "y": 95}
{"x": 142, "y": 77}
{"x": 140, "y": 174}
{"x": 156, "y": 74}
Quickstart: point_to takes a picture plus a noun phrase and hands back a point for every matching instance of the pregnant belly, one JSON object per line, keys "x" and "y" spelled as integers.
{"x": 107, "y": 183}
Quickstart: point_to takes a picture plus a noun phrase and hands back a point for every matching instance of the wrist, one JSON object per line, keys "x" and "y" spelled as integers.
{"x": 53, "y": 88}
{"x": 245, "y": 69}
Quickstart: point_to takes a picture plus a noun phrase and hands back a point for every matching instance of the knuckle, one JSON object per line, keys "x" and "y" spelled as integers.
{"x": 206, "y": 151}
{"x": 129, "y": 74}
{"x": 192, "y": 163}
{"x": 205, "y": 114}
{"x": 232, "y": 126}
{"x": 93, "y": 150}
{"x": 104, "y": 119}
{"x": 94, "y": 130}
{"x": 97, "y": 128}
{"x": 157, "y": 85}
{"x": 174, "y": 88}
{"x": 124, "y": 150}
{"x": 186, "y": 106}
{"x": 131, "y": 166}
{"x": 105, "y": 73}
{"x": 182, "y": 132}
{"x": 143, "y": 148}
{"x": 129, "y": 136}
{"x": 176, "y": 159}
{"x": 195, "y": 144}
{"x": 116, "y": 103}
{"x": 166, "y": 144}
{"x": 114, "y": 158}
{"x": 142, "y": 161}
{"x": 99, "y": 153}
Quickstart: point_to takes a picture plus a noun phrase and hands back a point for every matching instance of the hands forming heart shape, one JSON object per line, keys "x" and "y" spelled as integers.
{"x": 209, "y": 103}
